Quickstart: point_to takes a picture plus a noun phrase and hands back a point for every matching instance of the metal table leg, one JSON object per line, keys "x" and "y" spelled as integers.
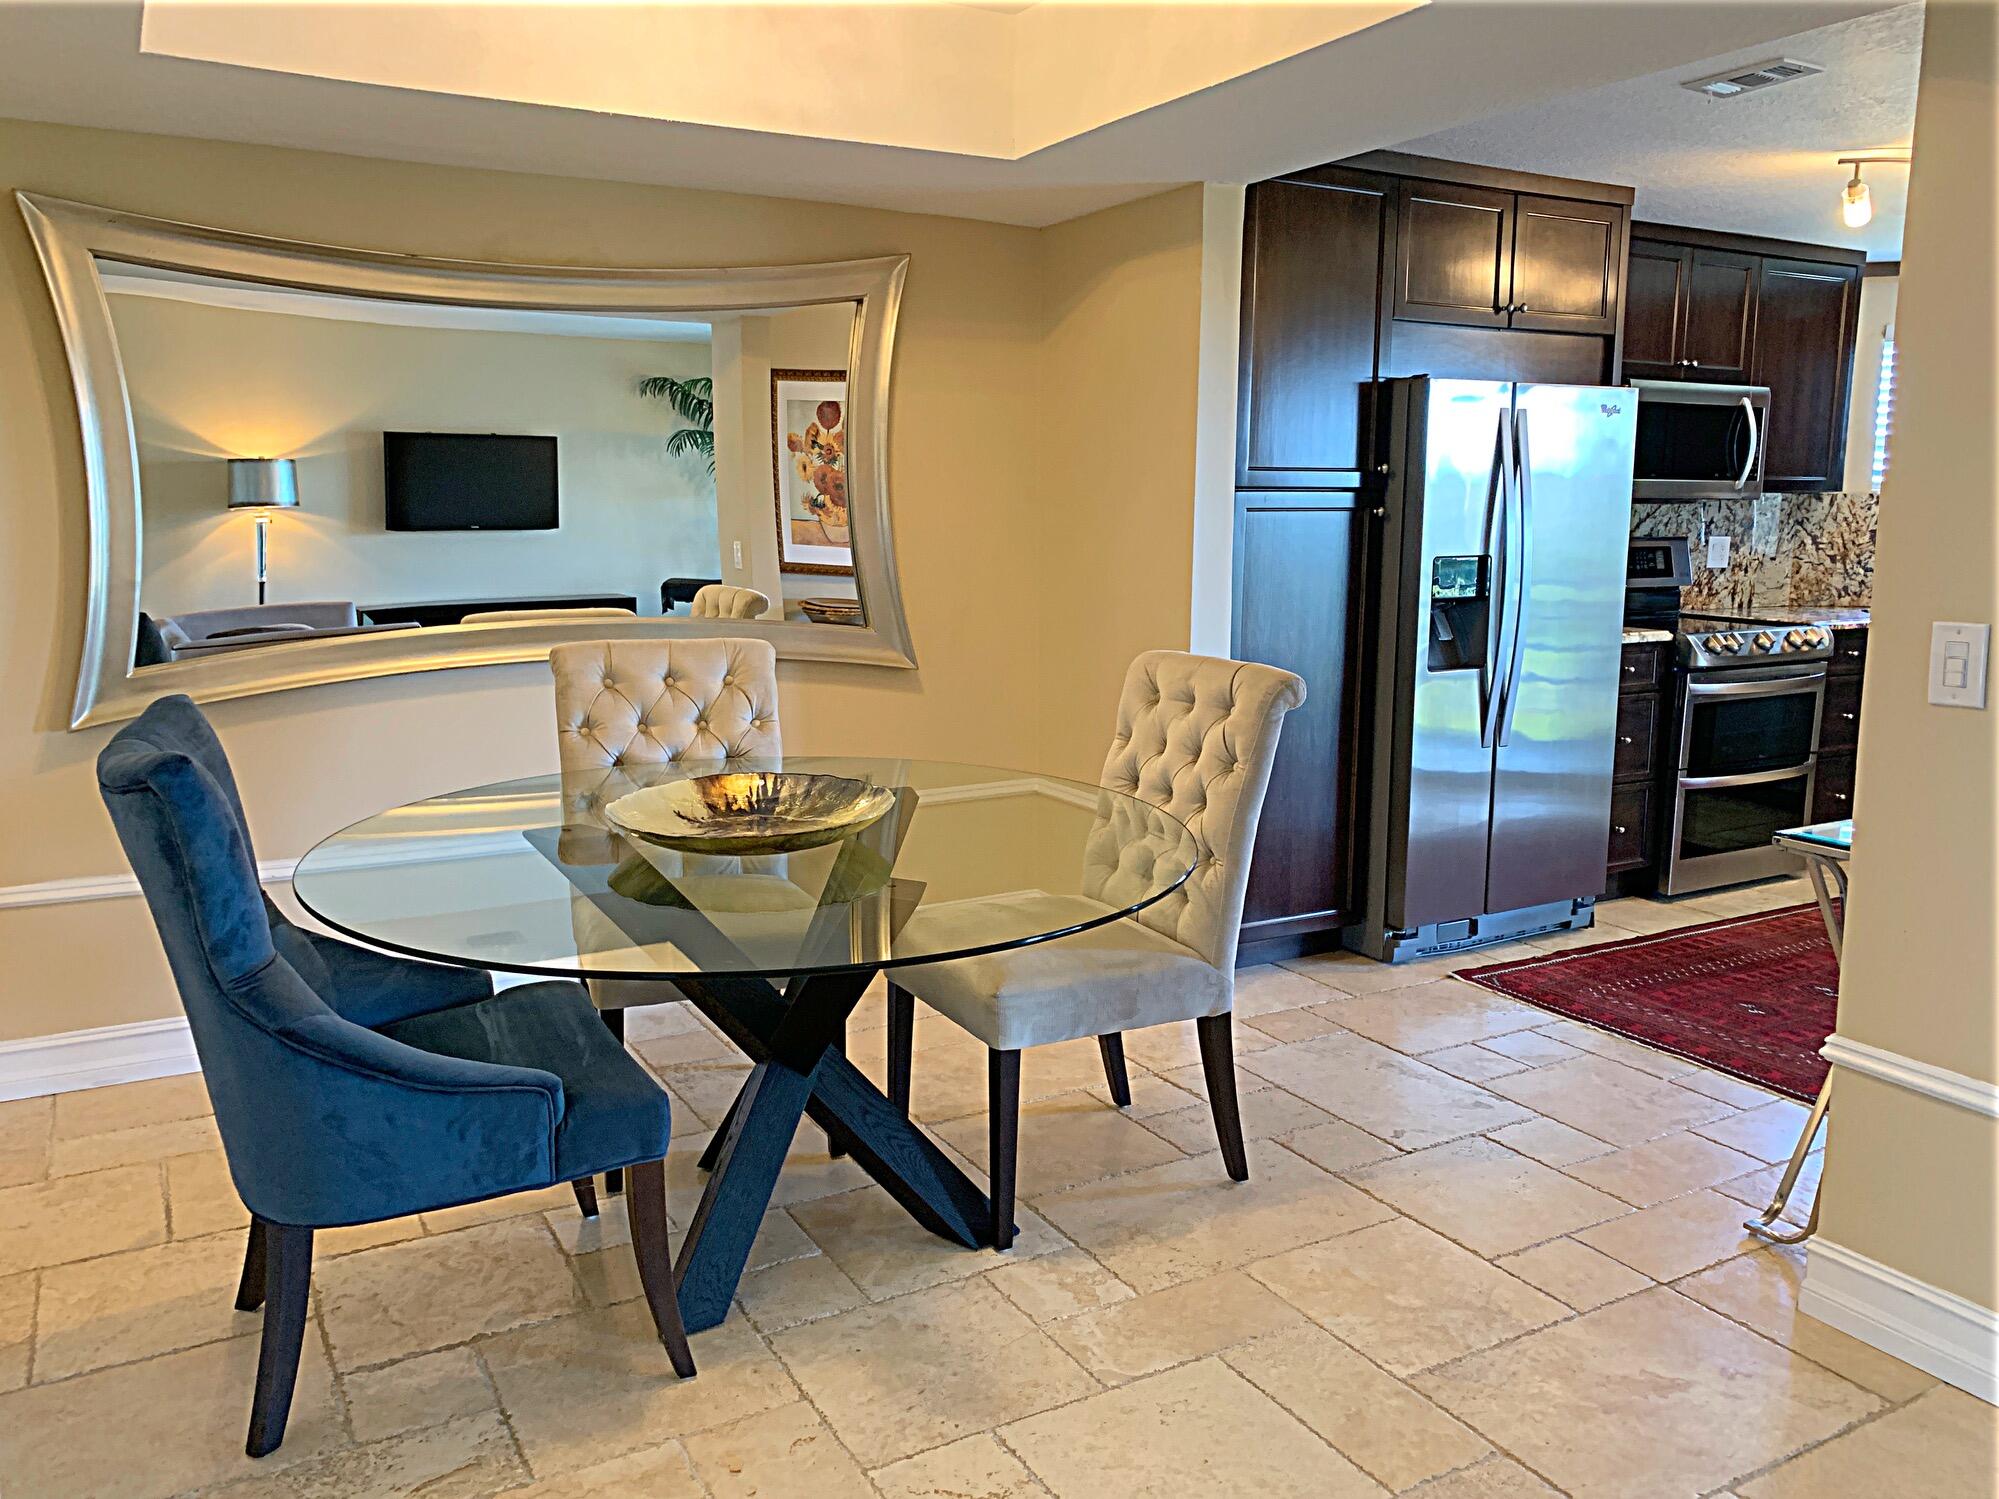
{"x": 1764, "y": 1227}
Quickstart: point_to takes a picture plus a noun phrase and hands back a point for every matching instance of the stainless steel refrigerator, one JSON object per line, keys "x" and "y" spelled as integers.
{"x": 1498, "y": 600}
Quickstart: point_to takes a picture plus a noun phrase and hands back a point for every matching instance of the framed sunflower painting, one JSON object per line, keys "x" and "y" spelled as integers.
{"x": 809, "y": 456}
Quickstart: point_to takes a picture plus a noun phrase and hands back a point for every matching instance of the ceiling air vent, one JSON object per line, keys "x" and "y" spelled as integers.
{"x": 1757, "y": 75}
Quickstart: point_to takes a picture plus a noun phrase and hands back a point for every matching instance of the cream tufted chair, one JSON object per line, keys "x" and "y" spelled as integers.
{"x": 725, "y": 601}
{"x": 1195, "y": 737}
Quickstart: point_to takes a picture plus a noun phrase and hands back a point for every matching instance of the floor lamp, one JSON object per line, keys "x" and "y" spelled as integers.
{"x": 262, "y": 485}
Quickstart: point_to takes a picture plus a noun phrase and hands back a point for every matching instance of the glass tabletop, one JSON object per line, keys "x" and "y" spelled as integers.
{"x": 1832, "y": 837}
{"x": 532, "y": 876}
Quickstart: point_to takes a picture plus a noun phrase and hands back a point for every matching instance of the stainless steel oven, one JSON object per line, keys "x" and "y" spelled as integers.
{"x": 1699, "y": 442}
{"x": 1748, "y": 746}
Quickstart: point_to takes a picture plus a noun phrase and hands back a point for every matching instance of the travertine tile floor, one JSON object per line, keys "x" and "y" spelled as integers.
{"x": 1484, "y": 1252}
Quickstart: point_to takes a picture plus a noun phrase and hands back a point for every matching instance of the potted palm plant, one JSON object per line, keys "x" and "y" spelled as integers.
{"x": 693, "y": 401}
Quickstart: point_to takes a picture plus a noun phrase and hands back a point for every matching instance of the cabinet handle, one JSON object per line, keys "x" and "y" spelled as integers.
{"x": 1693, "y": 364}
{"x": 1839, "y": 796}
{"x": 1624, "y": 739}
{"x": 1382, "y": 469}
{"x": 1849, "y": 717}
{"x": 1618, "y": 827}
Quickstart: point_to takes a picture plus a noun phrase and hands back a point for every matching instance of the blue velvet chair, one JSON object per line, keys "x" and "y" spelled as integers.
{"x": 351, "y": 1086}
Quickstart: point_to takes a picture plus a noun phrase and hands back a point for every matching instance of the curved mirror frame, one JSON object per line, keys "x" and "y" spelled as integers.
{"x": 73, "y": 239}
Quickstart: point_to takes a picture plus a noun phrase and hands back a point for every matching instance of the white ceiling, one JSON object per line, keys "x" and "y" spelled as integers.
{"x": 1452, "y": 62}
{"x": 1763, "y": 163}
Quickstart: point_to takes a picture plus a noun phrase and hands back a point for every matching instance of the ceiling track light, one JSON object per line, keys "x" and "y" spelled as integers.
{"x": 1856, "y": 203}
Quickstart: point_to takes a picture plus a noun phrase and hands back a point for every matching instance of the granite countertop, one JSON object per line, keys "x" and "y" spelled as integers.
{"x": 1839, "y": 617}
{"x": 1646, "y": 637}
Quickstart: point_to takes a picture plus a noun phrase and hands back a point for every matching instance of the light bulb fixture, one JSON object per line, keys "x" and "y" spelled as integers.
{"x": 1856, "y": 203}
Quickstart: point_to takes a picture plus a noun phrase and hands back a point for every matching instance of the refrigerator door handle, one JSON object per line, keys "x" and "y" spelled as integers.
{"x": 1497, "y": 541}
{"x": 1520, "y": 553}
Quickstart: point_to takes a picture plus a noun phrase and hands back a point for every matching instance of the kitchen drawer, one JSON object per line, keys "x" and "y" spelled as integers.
{"x": 1641, "y": 667}
{"x": 1849, "y": 651}
{"x": 1630, "y": 828}
{"x": 1839, "y": 726}
{"x": 1832, "y": 789}
{"x": 1637, "y": 735}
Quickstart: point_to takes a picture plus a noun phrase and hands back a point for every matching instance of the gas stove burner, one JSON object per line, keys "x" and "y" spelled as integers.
{"x": 1724, "y": 641}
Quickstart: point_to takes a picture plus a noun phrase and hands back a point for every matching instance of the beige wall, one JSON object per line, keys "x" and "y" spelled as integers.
{"x": 1115, "y": 429}
{"x": 209, "y": 383}
{"x": 1910, "y": 1181}
{"x": 1038, "y": 549}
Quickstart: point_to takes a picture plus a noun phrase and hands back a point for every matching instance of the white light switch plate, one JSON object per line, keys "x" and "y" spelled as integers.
{"x": 736, "y": 550}
{"x": 1957, "y": 664}
{"x": 1717, "y": 551}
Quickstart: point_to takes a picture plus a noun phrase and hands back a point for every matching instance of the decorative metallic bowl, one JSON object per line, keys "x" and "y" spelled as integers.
{"x": 749, "y": 812}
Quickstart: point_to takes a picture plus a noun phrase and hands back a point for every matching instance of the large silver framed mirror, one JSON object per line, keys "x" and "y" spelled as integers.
{"x": 307, "y": 464}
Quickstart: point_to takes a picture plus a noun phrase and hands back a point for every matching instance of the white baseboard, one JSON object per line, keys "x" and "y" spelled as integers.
{"x": 92, "y": 1059}
{"x": 1939, "y": 1332}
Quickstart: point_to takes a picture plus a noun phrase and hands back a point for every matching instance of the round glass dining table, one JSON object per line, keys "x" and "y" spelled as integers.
{"x": 532, "y": 877}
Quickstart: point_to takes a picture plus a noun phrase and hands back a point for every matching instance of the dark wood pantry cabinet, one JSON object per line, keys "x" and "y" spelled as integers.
{"x": 1353, "y": 272}
{"x": 1733, "y": 310}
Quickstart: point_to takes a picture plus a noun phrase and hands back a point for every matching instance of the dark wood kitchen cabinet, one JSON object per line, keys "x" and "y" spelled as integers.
{"x": 1839, "y": 726}
{"x": 1734, "y": 309}
{"x": 1315, "y": 252}
{"x": 1689, "y": 314}
{"x": 1632, "y": 854}
{"x": 1480, "y": 257}
{"x": 1299, "y": 553}
{"x": 1805, "y": 321}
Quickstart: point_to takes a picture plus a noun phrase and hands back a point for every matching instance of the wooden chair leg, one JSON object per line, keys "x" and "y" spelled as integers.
{"x": 901, "y": 1042}
{"x": 614, "y": 1022}
{"x": 1112, "y": 1046}
{"x": 1002, "y": 1138}
{"x": 586, "y": 1195}
{"x": 645, "y": 1205}
{"x": 1218, "y": 1063}
{"x": 250, "y": 1289}
{"x": 287, "y": 1285}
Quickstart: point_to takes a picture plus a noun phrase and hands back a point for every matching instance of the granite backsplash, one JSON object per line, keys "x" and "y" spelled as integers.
{"x": 1784, "y": 549}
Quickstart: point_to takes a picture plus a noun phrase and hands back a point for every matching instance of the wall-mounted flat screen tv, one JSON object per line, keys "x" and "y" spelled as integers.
{"x": 463, "y": 481}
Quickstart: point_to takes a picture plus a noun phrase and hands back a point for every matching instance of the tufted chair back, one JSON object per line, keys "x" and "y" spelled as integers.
{"x": 651, "y": 702}
{"x": 1195, "y": 737}
{"x": 726, "y": 601}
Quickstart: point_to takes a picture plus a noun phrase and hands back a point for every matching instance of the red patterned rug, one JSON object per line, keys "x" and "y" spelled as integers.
{"x": 1753, "y": 996}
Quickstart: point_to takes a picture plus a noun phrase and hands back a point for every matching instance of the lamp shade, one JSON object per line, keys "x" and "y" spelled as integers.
{"x": 262, "y": 484}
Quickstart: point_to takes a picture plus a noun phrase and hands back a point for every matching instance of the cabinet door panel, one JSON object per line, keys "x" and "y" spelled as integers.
{"x": 1566, "y": 260}
{"x": 1454, "y": 254}
{"x": 1832, "y": 788}
{"x": 1630, "y": 843}
{"x": 1804, "y": 353}
{"x": 1720, "y": 325}
{"x": 1654, "y": 300}
{"x": 1311, "y": 332}
{"x": 1294, "y": 597}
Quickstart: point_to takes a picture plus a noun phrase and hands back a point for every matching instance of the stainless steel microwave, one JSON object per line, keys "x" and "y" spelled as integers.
{"x": 1699, "y": 442}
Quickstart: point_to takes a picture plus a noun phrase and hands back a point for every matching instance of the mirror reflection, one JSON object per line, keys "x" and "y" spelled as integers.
{"x": 315, "y": 463}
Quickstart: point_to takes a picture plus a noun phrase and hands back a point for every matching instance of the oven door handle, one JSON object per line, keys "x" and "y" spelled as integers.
{"x": 1749, "y": 778}
{"x": 1766, "y": 684}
